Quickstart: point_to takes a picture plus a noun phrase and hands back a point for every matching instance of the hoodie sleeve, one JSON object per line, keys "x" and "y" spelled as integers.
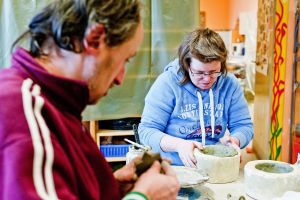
{"x": 239, "y": 123}
{"x": 159, "y": 104}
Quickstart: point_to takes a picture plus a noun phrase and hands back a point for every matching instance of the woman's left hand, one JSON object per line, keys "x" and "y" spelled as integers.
{"x": 229, "y": 140}
{"x": 232, "y": 141}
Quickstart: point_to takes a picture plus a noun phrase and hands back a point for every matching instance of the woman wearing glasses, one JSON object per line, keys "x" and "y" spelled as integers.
{"x": 194, "y": 101}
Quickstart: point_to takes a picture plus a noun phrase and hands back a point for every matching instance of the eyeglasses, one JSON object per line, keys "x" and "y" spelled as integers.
{"x": 202, "y": 74}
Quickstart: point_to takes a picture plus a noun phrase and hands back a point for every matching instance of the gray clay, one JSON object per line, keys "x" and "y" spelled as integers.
{"x": 219, "y": 150}
{"x": 274, "y": 168}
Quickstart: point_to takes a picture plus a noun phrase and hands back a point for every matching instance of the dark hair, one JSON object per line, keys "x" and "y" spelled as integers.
{"x": 205, "y": 45}
{"x": 66, "y": 22}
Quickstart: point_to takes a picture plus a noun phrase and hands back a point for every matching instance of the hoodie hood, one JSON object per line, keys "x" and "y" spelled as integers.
{"x": 67, "y": 94}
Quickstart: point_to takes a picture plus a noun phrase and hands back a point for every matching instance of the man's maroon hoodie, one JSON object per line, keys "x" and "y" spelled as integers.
{"x": 45, "y": 151}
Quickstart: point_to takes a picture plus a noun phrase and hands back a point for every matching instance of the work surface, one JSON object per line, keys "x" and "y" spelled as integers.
{"x": 207, "y": 191}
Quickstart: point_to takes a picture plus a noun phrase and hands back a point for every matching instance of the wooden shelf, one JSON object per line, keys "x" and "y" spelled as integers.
{"x": 110, "y": 133}
{"x": 97, "y": 133}
{"x": 106, "y": 132}
{"x": 115, "y": 159}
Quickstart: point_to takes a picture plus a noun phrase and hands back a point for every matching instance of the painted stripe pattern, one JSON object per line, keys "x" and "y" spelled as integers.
{"x": 39, "y": 134}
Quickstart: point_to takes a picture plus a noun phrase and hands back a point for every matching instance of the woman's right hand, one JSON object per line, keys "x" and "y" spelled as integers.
{"x": 185, "y": 149}
{"x": 158, "y": 186}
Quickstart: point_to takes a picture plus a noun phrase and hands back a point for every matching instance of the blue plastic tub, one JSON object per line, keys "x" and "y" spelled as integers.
{"x": 115, "y": 150}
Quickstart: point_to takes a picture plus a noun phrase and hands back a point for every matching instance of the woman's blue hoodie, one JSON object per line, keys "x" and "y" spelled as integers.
{"x": 172, "y": 108}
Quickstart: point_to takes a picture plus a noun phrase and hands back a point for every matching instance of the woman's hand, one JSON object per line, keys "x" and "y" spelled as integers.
{"x": 185, "y": 149}
{"x": 232, "y": 141}
{"x": 229, "y": 140}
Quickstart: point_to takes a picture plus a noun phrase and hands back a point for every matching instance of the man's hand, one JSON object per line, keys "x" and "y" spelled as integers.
{"x": 158, "y": 186}
{"x": 126, "y": 177}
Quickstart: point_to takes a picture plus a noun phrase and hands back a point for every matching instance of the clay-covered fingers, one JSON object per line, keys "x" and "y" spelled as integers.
{"x": 126, "y": 177}
{"x": 229, "y": 140}
{"x": 188, "y": 159}
{"x": 171, "y": 185}
{"x": 225, "y": 140}
{"x": 168, "y": 160}
{"x": 192, "y": 160}
{"x": 198, "y": 145}
{"x": 155, "y": 168}
{"x": 234, "y": 141}
{"x": 186, "y": 152}
{"x": 126, "y": 173}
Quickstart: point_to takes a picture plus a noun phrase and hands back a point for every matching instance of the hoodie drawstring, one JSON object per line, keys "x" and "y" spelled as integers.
{"x": 212, "y": 115}
{"x": 212, "y": 112}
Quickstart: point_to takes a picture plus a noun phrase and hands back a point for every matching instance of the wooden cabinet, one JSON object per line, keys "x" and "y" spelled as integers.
{"x": 112, "y": 133}
{"x": 100, "y": 134}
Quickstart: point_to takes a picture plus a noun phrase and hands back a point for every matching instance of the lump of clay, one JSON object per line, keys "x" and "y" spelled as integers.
{"x": 220, "y": 162}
